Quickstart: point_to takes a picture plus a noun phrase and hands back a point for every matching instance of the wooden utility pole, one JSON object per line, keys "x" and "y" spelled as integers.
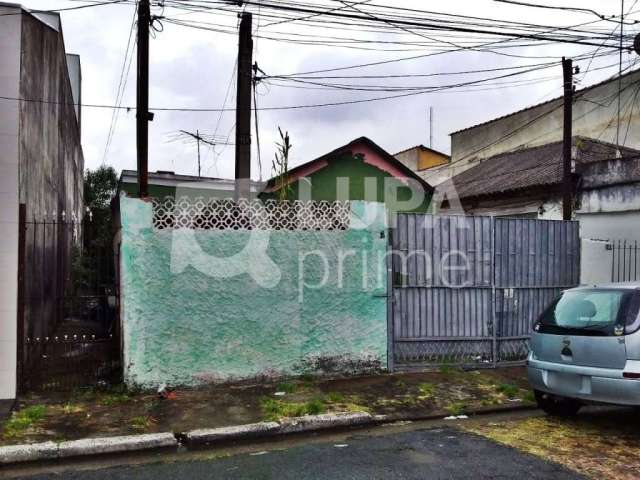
{"x": 142, "y": 98}
{"x": 567, "y": 183}
{"x": 243, "y": 108}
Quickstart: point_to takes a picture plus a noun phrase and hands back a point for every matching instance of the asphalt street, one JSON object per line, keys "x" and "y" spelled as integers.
{"x": 442, "y": 453}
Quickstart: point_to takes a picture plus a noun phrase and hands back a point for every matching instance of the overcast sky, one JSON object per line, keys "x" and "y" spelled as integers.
{"x": 193, "y": 68}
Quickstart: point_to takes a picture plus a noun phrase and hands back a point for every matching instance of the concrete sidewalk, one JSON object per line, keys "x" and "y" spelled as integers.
{"x": 218, "y": 413}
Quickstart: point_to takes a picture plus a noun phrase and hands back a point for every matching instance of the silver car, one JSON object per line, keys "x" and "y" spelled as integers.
{"x": 586, "y": 349}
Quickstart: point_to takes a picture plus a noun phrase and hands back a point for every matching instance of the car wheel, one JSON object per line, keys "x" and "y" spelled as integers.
{"x": 557, "y": 406}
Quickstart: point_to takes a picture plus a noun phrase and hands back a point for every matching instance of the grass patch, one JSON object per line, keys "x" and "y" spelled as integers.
{"x": 529, "y": 397}
{"x": 286, "y": 387}
{"x": 142, "y": 422}
{"x": 426, "y": 391}
{"x": 509, "y": 390}
{"x": 456, "y": 408}
{"x": 274, "y": 410}
{"x": 110, "y": 399}
{"x": 335, "y": 397}
{"x": 449, "y": 370}
{"x": 22, "y": 420}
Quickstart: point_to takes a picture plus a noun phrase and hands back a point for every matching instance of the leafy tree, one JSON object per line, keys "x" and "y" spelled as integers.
{"x": 93, "y": 266}
{"x": 100, "y": 186}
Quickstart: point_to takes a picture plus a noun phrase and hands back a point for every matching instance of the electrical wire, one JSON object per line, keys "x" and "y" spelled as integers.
{"x": 124, "y": 74}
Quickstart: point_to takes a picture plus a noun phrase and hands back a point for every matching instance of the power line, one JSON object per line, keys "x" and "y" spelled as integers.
{"x": 269, "y": 108}
{"x": 124, "y": 74}
{"x": 433, "y": 26}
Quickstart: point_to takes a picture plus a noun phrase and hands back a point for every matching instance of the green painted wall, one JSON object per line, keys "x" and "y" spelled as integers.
{"x": 184, "y": 326}
{"x": 324, "y": 183}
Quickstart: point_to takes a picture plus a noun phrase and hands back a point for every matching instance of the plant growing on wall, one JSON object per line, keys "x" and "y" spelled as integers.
{"x": 280, "y": 166}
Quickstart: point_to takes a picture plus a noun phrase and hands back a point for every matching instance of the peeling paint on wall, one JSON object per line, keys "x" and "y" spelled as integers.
{"x": 189, "y": 328}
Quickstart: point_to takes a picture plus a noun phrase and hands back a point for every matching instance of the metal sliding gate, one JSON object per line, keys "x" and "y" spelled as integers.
{"x": 467, "y": 290}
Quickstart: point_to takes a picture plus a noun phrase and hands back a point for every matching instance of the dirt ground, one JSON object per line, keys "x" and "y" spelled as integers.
{"x": 598, "y": 442}
{"x": 117, "y": 411}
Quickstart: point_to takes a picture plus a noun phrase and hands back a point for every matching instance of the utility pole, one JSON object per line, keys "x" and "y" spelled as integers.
{"x": 567, "y": 183}
{"x": 142, "y": 98}
{"x": 243, "y": 108}
{"x": 198, "y": 141}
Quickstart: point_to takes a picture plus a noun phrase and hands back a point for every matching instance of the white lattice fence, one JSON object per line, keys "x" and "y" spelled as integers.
{"x": 217, "y": 214}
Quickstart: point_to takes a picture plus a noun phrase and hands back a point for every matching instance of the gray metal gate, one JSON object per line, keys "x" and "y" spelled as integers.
{"x": 467, "y": 290}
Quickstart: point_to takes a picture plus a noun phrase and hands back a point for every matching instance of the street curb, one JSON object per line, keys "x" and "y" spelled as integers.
{"x": 210, "y": 435}
{"x": 84, "y": 447}
{"x": 134, "y": 443}
{"x": 308, "y": 423}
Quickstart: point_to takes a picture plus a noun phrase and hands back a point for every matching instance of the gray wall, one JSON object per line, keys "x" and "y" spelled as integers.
{"x": 593, "y": 112}
{"x": 51, "y": 159}
{"x": 10, "y": 26}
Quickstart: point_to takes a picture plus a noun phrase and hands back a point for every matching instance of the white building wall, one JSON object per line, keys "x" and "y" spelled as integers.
{"x": 542, "y": 124}
{"x": 10, "y": 32}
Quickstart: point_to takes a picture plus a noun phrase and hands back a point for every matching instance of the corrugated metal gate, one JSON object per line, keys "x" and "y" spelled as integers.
{"x": 467, "y": 290}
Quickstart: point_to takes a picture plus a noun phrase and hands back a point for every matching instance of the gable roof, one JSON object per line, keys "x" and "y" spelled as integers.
{"x": 322, "y": 161}
{"x": 531, "y": 167}
{"x": 556, "y": 99}
{"x": 425, "y": 148}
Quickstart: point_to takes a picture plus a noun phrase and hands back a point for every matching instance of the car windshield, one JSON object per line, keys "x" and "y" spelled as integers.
{"x": 587, "y": 309}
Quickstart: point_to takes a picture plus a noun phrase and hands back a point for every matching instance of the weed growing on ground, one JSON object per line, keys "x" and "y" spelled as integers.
{"x": 426, "y": 391}
{"x": 509, "y": 390}
{"x": 529, "y": 397}
{"x": 23, "y": 419}
{"x": 449, "y": 370}
{"x": 71, "y": 408}
{"x": 335, "y": 397}
{"x": 142, "y": 422}
{"x": 456, "y": 408}
{"x": 286, "y": 387}
{"x": 110, "y": 399}
{"x": 274, "y": 409}
{"x": 400, "y": 385}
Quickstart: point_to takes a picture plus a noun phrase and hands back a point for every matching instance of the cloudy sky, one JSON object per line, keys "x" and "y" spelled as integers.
{"x": 194, "y": 68}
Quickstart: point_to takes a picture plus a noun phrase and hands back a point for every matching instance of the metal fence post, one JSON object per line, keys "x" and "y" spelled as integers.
{"x": 494, "y": 330}
{"x": 390, "y": 319}
{"x": 20, "y": 336}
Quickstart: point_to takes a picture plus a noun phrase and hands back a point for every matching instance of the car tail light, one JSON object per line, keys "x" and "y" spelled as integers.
{"x": 631, "y": 375}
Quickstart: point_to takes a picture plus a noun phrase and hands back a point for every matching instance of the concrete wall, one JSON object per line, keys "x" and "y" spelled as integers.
{"x": 595, "y": 262}
{"x": 188, "y": 319}
{"x": 52, "y": 162}
{"x": 592, "y": 114}
{"x": 10, "y": 32}
{"x": 75, "y": 80}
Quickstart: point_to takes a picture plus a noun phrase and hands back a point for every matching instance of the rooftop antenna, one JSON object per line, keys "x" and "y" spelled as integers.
{"x": 190, "y": 137}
